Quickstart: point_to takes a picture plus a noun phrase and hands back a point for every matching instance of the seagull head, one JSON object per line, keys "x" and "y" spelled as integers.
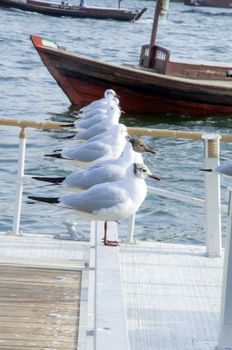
{"x": 109, "y": 94}
{"x": 142, "y": 171}
{"x": 139, "y": 146}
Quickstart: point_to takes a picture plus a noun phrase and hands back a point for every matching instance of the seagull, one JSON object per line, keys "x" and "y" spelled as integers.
{"x": 222, "y": 169}
{"x": 110, "y": 201}
{"x": 109, "y": 94}
{"x": 107, "y": 171}
{"x": 89, "y": 153}
{"x": 98, "y": 127}
{"x": 99, "y": 123}
{"x": 97, "y": 114}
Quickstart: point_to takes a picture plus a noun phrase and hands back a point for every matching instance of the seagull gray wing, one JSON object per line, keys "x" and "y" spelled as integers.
{"x": 225, "y": 168}
{"x": 96, "y": 198}
{"x": 87, "y": 152}
{"x": 92, "y": 176}
{"x": 91, "y": 132}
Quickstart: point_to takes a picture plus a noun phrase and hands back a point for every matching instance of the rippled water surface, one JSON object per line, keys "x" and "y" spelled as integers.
{"x": 28, "y": 91}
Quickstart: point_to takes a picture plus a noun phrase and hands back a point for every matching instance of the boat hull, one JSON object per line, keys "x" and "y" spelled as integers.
{"x": 226, "y": 4}
{"x": 58, "y": 10}
{"x": 141, "y": 91}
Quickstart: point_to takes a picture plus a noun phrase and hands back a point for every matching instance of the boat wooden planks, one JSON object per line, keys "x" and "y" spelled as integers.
{"x": 39, "y": 308}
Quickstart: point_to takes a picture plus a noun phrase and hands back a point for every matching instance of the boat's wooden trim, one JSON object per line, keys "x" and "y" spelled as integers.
{"x": 160, "y": 62}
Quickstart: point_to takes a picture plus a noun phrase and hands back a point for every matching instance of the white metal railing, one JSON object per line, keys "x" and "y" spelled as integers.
{"x": 19, "y": 182}
{"x": 212, "y": 181}
{"x": 211, "y": 203}
{"x": 23, "y": 124}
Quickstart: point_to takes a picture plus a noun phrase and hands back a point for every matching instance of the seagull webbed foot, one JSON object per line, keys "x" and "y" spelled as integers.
{"x": 111, "y": 243}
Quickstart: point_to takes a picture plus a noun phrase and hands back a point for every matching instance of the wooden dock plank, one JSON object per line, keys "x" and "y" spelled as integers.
{"x": 39, "y": 308}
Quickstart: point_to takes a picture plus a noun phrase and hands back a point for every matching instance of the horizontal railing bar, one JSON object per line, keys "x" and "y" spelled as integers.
{"x": 26, "y": 123}
{"x": 194, "y": 135}
{"x": 176, "y": 196}
{"x": 182, "y": 197}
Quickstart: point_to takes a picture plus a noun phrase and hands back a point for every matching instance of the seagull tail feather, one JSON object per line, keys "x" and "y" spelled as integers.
{"x": 52, "y": 200}
{"x": 69, "y": 137}
{"x": 53, "y": 180}
{"x": 68, "y": 125}
{"x": 54, "y": 155}
{"x": 209, "y": 170}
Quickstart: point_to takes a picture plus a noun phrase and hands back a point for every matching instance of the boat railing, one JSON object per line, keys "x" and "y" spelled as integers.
{"x": 158, "y": 60}
{"x": 211, "y": 202}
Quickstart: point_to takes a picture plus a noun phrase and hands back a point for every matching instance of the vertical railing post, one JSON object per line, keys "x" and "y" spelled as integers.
{"x": 225, "y": 330}
{"x": 19, "y": 182}
{"x": 212, "y": 195}
{"x": 130, "y": 229}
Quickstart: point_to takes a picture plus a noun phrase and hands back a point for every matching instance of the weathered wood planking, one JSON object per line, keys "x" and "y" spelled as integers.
{"x": 39, "y": 308}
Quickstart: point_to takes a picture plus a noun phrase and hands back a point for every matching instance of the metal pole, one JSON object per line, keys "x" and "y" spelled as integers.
{"x": 225, "y": 331}
{"x": 212, "y": 196}
{"x": 161, "y": 9}
{"x": 19, "y": 183}
{"x": 158, "y": 7}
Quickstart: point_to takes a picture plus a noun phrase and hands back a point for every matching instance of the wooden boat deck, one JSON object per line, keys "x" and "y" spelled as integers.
{"x": 157, "y": 296}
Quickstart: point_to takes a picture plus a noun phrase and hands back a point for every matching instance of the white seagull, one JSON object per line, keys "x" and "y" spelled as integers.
{"x": 96, "y": 125}
{"x": 109, "y": 94}
{"x": 96, "y": 128}
{"x": 107, "y": 171}
{"x": 95, "y": 115}
{"x": 89, "y": 153}
{"x": 111, "y": 201}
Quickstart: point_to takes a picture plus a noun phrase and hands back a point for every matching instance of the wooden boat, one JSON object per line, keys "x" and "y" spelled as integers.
{"x": 65, "y": 9}
{"x": 157, "y": 85}
{"x": 226, "y": 4}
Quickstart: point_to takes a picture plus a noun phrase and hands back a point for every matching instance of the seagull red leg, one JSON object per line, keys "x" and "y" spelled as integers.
{"x": 106, "y": 241}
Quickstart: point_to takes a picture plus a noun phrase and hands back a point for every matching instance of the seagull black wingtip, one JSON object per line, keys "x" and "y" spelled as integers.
{"x": 208, "y": 170}
{"x": 53, "y": 180}
{"x": 51, "y": 200}
{"x": 54, "y": 155}
{"x": 68, "y": 125}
